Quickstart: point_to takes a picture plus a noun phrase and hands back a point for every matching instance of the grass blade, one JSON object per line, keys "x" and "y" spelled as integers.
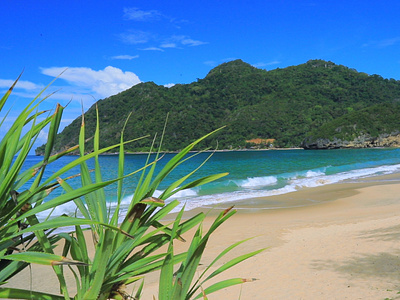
{"x": 42, "y": 258}
{"x": 222, "y": 285}
{"x": 10, "y": 293}
{"x": 234, "y": 262}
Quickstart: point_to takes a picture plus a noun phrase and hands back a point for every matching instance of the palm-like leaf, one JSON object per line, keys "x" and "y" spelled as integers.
{"x": 123, "y": 252}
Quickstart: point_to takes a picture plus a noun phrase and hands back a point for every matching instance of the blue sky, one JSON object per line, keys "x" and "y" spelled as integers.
{"x": 108, "y": 46}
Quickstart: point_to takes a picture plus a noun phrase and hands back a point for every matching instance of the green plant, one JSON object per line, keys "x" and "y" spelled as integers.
{"x": 181, "y": 284}
{"x": 122, "y": 257}
{"x": 23, "y": 192}
{"x": 14, "y": 148}
{"x": 124, "y": 252}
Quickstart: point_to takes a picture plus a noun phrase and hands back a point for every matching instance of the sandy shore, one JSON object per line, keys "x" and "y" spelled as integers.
{"x": 346, "y": 246}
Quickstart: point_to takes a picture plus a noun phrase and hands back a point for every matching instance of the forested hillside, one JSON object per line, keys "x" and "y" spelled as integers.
{"x": 288, "y": 105}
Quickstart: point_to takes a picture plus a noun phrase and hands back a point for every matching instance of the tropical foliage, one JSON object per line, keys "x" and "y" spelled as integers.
{"x": 124, "y": 251}
{"x": 282, "y": 104}
{"x": 373, "y": 121}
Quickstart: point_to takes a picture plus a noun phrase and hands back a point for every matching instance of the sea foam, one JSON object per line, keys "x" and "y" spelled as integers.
{"x": 253, "y": 187}
{"x": 255, "y": 182}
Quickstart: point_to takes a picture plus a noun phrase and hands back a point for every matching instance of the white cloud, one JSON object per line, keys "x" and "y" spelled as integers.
{"x": 210, "y": 63}
{"x": 176, "y": 40}
{"x": 191, "y": 42}
{"x": 274, "y": 62}
{"x": 135, "y": 37}
{"x": 137, "y": 14}
{"x": 42, "y": 137}
{"x": 152, "y": 49}
{"x": 168, "y": 45}
{"x": 263, "y": 64}
{"x": 388, "y": 42}
{"x": 22, "y": 84}
{"x": 259, "y": 65}
{"x": 140, "y": 15}
{"x": 128, "y": 57}
{"x": 383, "y": 43}
{"x": 104, "y": 83}
{"x": 85, "y": 86}
{"x": 214, "y": 63}
{"x": 186, "y": 41}
{"x": 169, "y": 85}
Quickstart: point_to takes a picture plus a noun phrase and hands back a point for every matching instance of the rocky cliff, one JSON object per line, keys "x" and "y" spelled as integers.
{"x": 362, "y": 141}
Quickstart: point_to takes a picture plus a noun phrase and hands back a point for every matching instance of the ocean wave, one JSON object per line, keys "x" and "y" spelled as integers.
{"x": 68, "y": 208}
{"x": 311, "y": 173}
{"x": 300, "y": 181}
{"x": 254, "y": 182}
{"x": 252, "y": 187}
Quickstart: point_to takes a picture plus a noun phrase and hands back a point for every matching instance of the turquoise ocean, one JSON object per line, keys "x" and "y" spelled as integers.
{"x": 252, "y": 174}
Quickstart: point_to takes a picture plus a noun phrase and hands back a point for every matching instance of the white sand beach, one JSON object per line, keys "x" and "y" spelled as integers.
{"x": 347, "y": 247}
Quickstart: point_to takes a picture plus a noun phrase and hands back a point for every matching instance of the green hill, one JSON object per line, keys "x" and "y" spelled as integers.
{"x": 369, "y": 127}
{"x": 288, "y": 105}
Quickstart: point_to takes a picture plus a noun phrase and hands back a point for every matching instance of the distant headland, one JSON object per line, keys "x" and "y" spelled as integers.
{"x": 315, "y": 105}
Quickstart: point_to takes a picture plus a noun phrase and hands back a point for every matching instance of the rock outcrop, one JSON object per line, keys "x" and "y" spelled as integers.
{"x": 362, "y": 141}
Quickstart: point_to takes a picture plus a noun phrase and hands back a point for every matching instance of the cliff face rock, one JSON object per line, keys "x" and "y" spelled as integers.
{"x": 362, "y": 141}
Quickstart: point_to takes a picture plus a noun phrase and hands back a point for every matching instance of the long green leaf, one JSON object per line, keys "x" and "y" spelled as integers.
{"x": 189, "y": 271}
{"x": 100, "y": 260}
{"x": 72, "y": 195}
{"x": 175, "y": 161}
{"x": 195, "y": 183}
{"x": 185, "y": 226}
{"x": 225, "y": 266}
{"x": 195, "y": 253}
{"x": 152, "y": 267}
{"x": 8, "y": 93}
{"x": 121, "y": 159}
{"x": 81, "y": 159}
{"x": 53, "y": 130}
{"x": 11, "y": 293}
{"x": 64, "y": 198}
{"x": 99, "y": 195}
{"x": 42, "y": 258}
{"x": 223, "y": 253}
{"x": 62, "y": 221}
{"x": 234, "y": 262}
{"x": 222, "y": 285}
{"x": 166, "y": 276}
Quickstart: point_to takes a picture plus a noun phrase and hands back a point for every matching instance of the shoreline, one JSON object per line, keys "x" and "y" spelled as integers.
{"x": 347, "y": 246}
{"x": 302, "y": 198}
{"x": 206, "y": 151}
{"x": 192, "y": 151}
{"x": 240, "y": 150}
